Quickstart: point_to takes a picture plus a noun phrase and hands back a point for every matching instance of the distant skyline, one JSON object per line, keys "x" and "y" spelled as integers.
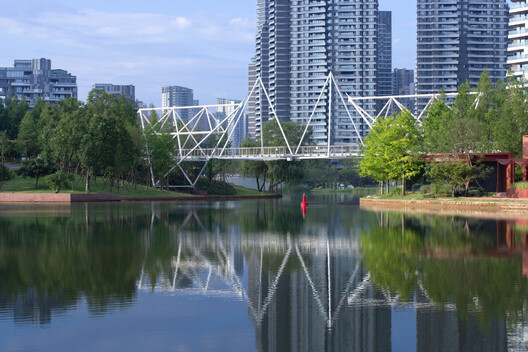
{"x": 204, "y": 45}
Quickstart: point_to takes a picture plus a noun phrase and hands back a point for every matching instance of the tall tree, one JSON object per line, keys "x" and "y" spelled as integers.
{"x": 390, "y": 148}
{"x": 28, "y": 136}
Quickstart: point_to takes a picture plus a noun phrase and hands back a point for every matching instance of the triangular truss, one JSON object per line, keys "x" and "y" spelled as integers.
{"x": 193, "y": 135}
{"x": 396, "y": 103}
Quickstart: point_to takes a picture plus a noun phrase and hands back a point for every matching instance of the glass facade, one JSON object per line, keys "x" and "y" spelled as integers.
{"x": 34, "y": 79}
{"x": 299, "y": 42}
{"x": 518, "y": 36}
{"x": 457, "y": 41}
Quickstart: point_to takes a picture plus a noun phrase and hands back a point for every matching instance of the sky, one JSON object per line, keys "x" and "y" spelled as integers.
{"x": 205, "y": 45}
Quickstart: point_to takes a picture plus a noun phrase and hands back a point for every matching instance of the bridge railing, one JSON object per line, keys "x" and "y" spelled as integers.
{"x": 305, "y": 152}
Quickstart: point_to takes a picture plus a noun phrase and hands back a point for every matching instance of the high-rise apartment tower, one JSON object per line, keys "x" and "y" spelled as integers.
{"x": 298, "y": 44}
{"x": 518, "y": 48}
{"x": 457, "y": 41}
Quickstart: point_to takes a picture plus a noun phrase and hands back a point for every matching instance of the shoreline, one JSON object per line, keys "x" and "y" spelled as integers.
{"x": 449, "y": 207}
{"x": 18, "y": 198}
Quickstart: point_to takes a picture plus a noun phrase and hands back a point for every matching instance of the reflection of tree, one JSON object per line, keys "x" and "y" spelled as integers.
{"x": 268, "y": 217}
{"x": 448, "y": 265}
{"x": 65, "y": 260}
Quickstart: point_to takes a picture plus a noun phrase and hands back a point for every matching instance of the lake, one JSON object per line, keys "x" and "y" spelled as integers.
{"x": 258, "y": 276}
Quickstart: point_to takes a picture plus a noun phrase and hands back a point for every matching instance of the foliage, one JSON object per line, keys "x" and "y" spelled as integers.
{"x": 35, "y": 168}
{"x": 389, "y": 150}
{"x": 5, "y": 174}
{"x": 28, "y": 136}
{"x": 215, "y": 187}
{"x": 59, "y": 180}
{"x": 519, "y": 185}
{"x": 280, "y": 171}
{"x": 454, "y": 173}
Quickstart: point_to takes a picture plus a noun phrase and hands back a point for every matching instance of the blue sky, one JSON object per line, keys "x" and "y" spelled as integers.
{"x": 202, "y": 44}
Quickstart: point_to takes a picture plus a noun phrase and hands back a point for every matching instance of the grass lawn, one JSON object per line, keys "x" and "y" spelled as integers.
{"x": 420, "y": 196}
{"x": 357, "y": 190}
{"x": 243, "y": 191}
{"x": 27, "y": 185}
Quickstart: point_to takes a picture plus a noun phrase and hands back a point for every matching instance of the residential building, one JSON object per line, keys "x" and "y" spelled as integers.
{"x": 129, "y": 91}
{"x": 35, "y": 79}
{"x": 309, "y": 40}
{"x": 457, "y": 41}
{"x": 384, "y": 79}
{"x": 518, "y": 35}
{"x": 174, "y": 96}
{"x": 403, "y": 84}
{"x": 252, "y": 101}
{"x": 237, "y": 130}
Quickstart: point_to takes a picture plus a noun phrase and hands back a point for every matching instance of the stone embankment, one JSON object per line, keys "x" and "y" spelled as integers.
{"x": 475, "y": 207}
{"x": 90, "y": 198}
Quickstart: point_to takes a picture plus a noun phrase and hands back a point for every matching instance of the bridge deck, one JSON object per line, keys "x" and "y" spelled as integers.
{"x": 272, "y": 153}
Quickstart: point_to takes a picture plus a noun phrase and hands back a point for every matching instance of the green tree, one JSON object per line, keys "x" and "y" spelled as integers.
{"x": 454, "y": 173}
{"x": 59, "y": 180}
{"x": 161, "y": 147}
{"x": 390, "y": 148}
{"x": 511, "y": 123}
{"x": 4, "y": 145}
{"x": 108, "y": 146}
{"x": 35, "y": 168}
{"x": 28, "y": 136}
{"x": 5, "y": 175}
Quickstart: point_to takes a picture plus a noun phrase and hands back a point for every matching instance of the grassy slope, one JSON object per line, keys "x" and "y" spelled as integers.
{"x": 21, "y": 185}
{"x": 357, "y": 190}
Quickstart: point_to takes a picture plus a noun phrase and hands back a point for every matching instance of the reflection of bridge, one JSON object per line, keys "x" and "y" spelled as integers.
{"x": 214, "y": 269}
{"x": 205, "y": 136}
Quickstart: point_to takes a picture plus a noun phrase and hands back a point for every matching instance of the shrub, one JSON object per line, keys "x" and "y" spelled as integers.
{"x": 440, "y": 188}
{"x": 395, "y": 191}
{"x": 425, "y": 189}
{"x": 519, "y": 185}
{"x": 475, "y": 192}
{"x": 215, "y": 187}
{"x": 416, "y": 187}
{"x": 59, "y": 180}
{"x": 5, "y": 174}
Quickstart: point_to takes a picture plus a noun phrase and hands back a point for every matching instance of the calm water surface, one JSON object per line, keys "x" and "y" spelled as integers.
{"x": 256, "y": 276}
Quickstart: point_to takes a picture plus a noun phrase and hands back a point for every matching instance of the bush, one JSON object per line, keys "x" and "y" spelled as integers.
{"x": 439, "y": 188}
{"x": 395, "y": 191}
{"x": 475, "y": 192}
{"x": 5, "y": 174}
{"x": 215, "y": 187}
{"x": 416, "y": 187}
{"x": 426, "y": 189}
{"x": 59, "y": 180}
{"x": 519, "y": 185}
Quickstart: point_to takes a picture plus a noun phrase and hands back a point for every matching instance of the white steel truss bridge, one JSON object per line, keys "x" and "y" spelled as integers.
{"x": 206, "y": 135}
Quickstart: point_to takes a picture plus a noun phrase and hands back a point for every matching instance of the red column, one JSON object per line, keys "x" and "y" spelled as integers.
{"x": 525, "y": 255}
{"x": 508, "y": 176}
{"x": 525, "y": 173}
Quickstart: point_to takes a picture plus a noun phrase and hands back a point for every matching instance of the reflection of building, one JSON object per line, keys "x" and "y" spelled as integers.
{"x": 447, "y": 331}
{"x": 310, "y": 310}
